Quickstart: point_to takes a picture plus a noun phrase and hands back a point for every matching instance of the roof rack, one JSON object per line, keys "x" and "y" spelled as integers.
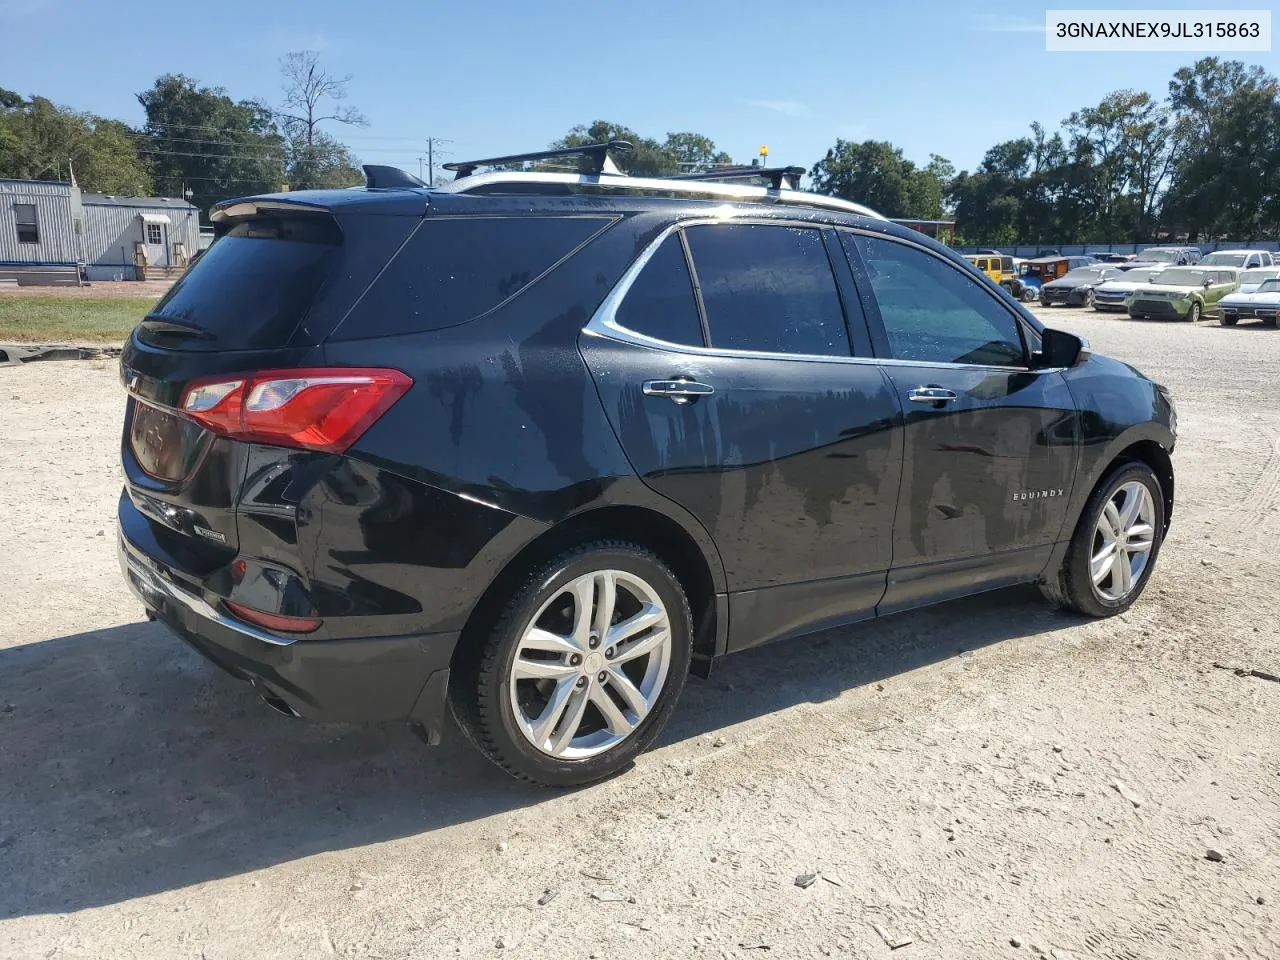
{"x": 597, "y": 153}
{"x": 777, "y": 176}
{"x": 540, "y": 182}
{"x": 379, "y": 177}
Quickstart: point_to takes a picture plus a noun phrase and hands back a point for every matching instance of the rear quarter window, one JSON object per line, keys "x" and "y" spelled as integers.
{"x": 454, "y": 269}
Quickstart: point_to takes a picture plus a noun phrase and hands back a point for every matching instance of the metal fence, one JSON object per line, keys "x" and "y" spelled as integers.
{"x": 1083, "y": 249}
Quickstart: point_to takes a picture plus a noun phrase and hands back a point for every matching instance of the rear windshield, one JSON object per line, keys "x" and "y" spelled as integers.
{"x": 254, "y": 285}
{"x": 453, "y": 269}
{"x": 1156, "y": 255}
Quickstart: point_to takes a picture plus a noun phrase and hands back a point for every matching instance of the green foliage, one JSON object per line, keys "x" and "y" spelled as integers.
{"x": 679, "y": 153}
{"x": 217, "y": 146}
{"x": 877, "y": 174}
{"x": 40, "y": 140}
{"x": 1201, "y": 165}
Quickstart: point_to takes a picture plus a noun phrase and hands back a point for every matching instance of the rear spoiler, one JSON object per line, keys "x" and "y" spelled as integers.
{"x": 240, "y": 209}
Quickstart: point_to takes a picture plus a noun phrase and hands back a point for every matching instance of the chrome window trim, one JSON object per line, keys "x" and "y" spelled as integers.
{"x": 603, "y": 322}
{"x": 698, "y": 188}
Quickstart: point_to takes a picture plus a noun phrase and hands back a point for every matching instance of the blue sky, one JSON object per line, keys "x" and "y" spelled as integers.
{"x": 500, "y": 76}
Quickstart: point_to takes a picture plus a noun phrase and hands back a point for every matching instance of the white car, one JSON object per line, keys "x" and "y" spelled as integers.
{"x": 1263, "y": 303}
{"x": 1250, "y": 279}
{"x": 1244, "y": 259}
{"x": 1111, "y": 294}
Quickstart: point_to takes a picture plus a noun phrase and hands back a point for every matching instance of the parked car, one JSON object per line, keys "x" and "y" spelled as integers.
{"x": 1112, "y": 293}
{"x": 486, "y": 447}
{"x": 1182, "y": 293}
{"x": 1244, "y": 259}
{"x": 1116, "y": 258}
{"x": 1036, "y": 272}
{"x": 1251, "y": 279}
{"x": 1075, "y": 288}
{"x": 998, "y": 267}
{"x": 1167, "y": 256}
{"x": 1263, "y": 303}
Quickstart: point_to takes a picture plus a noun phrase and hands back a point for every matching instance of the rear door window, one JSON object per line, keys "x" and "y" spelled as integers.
{"x": 453, "y": 269}
{"x": 768, "y": 288}
{"x": 661, "y": 301}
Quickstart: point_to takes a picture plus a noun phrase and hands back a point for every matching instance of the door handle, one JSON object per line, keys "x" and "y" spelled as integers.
{"x": 935, "y": 395}
{"x": 677, "y": 391}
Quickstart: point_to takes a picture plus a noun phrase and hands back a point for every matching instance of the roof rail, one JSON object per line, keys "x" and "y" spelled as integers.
{"x": 537, "y": 182}
{"x": 775, "y": 175}
{"x": 379, "y": 177}
{"x": 597, "y": 153}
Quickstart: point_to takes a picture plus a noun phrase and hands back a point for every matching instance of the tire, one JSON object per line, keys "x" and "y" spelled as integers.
{"x": 1226, "y": 321}
{"x": 1269, "y": 322}
{"x": 1073, "y": 586}
{"x": 1029, "y": 295}
{"x": 1194, "y": 313}
{"x": 1088, "y": 300}
{"x": 500, "y": 710}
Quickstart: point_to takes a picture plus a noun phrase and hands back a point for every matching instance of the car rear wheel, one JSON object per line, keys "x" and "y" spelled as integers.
{"x": 1115, "y": 544}
{"x": 581, "y": 669}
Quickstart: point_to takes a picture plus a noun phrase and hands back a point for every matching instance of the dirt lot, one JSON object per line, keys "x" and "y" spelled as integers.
{"x": 952, "y": 774}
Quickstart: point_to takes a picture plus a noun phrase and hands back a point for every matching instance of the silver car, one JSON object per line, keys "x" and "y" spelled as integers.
{"x": 1263, "y": 304}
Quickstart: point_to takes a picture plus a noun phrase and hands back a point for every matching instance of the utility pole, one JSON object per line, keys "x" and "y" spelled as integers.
{"x": 432, "y": 143}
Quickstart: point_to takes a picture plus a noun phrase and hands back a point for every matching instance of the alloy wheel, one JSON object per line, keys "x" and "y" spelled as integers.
{"x": 590, "y": 664}
{"x": 1122, "y": 541}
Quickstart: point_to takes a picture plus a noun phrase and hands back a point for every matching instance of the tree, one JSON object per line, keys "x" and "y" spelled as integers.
{"x": 1228, "y": 122}
{"x": 322, "y": 164}
{"x": 308, "y": 87}
{"x": 695, "y": 153}
{"x": 218, "y": 147}
{"x": 42, "y": 141}
{"x": 679, "y": 153}
{"x": 876, "y": 173}
{"x": 648, "y": 158}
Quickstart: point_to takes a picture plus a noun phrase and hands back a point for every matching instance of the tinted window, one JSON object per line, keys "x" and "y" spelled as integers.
{"x": 660, "y": 302}
{"x": 768, "y": 288}
{"x": 256, "y": 283}
{"x": 931, "y": 311}
{"x": 455, "y": 268}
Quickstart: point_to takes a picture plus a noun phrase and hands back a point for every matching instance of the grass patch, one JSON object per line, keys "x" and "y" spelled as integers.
{"x": 43, "y": 319}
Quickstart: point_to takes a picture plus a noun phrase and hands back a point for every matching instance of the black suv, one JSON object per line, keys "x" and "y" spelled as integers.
{"x": 537, "y": 445}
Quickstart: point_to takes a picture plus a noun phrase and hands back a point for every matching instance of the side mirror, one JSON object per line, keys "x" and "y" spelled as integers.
{"x": 1207, "y": 283}
{"x": 1061, "y": 349}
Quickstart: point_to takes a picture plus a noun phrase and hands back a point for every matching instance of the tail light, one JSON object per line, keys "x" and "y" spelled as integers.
{"x": 320, "y": 408}
{"x": 273, "y": 621}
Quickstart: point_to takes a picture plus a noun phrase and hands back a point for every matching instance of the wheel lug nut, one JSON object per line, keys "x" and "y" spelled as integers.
{"x": 601, "y": 676}
{"x": 593, "y": 642}
{"x": 575, "y": 660}
{"x": 582, "y": 681}
{"x": 609, "y": 653}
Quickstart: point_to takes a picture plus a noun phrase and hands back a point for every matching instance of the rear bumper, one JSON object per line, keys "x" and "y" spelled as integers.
{"x": 380, "y": 678}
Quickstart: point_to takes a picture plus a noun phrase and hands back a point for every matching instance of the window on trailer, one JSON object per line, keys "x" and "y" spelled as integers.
{"x": 24, "y": 215}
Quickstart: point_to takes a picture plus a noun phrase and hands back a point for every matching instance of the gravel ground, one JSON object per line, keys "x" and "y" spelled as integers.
{"x": 987, "y": 779}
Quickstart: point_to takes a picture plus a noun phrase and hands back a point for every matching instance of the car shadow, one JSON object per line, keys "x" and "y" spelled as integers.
{"x": 130, "y": 766}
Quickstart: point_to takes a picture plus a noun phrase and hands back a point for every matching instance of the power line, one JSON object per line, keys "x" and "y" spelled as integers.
{"x": 224, "y": 130}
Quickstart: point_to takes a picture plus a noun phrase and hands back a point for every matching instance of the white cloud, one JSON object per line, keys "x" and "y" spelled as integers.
{"x": 791, "y": 108}
{"x": 993, "y": 24}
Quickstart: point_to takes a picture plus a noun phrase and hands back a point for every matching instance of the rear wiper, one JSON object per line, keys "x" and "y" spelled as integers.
{"x": 171, "y": 328}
